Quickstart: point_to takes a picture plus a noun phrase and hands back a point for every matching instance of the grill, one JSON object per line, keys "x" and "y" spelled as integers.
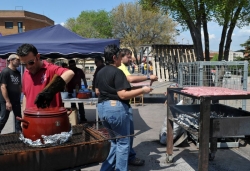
{"x": 86, "y": 146}
{"x": 232, "y": 121}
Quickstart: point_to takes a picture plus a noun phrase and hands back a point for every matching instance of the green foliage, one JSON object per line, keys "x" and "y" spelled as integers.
{"x": 246, "y": 45}
{"x": 194, "y": 15}
{"x": 135, "y": 26}
{"x": 91, "y": 24}
{"x": 215, "y": 58}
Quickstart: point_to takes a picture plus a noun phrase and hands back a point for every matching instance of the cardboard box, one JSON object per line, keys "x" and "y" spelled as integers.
{"x": 73, "y": 117}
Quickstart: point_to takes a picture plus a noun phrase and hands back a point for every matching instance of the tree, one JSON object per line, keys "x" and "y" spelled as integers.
{"x": 191, "y": 14}
{"x": 246, "y": 45}
{"x": 195, "y": 14}
{"x": 230, "y": 13}
{"x": 135, "y": 27}
{"x": 215, "y": 58}
{"x": 91, "y": 24}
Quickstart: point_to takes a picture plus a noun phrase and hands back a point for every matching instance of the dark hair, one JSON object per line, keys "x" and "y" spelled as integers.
{"x": 64, "y": 65}
{"x": 125, "y": 51}
{"x": 109, "y": 52}
{"x": 25, "y": 49}
{"x": 99, "y": 58}
{"x": 72, "y": 61}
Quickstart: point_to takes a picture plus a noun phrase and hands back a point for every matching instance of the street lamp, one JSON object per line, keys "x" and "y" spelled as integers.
{"x": 182, "y": 40}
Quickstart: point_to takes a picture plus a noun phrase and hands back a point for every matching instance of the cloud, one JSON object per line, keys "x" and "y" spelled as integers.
{"x": 211, "y": 36}
{"x": 62, "y": 23}
{"x": 245, "y": 29}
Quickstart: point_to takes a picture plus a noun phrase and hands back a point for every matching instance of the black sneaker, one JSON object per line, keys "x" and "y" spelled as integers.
{"x": 136, "y": 162}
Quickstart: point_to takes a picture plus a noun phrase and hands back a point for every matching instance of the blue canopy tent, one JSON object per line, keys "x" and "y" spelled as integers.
{"x": 55, "y": 42}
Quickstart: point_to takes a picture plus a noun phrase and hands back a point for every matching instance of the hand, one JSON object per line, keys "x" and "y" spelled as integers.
{"x": 146, "y": 89}
{"x": 9, "y": 106}
{"x": 43, "y": 99}
{"x": 153, "y": 78}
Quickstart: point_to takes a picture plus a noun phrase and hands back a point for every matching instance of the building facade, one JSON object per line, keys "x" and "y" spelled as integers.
{"x": 18, "y": 21}
{"x": 234, "y": 55}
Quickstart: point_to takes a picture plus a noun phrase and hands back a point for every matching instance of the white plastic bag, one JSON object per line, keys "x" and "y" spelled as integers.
{"x": 178, "y": 131}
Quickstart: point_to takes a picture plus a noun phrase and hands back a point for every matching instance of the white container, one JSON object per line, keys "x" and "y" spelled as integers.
{"x": 64, "y": 95}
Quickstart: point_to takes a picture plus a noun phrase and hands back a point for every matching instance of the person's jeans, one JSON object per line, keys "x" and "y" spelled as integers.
{"x": 142, "y": 70}
{"x": 4, "y": 115}
{"x": 81, "y": 110}
{"x": 116, "y": 117}
{"x": 132, "y": 153}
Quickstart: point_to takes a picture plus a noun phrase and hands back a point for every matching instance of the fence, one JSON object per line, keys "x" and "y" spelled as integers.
{"x": 229, "y": 74}
{"x": 167, "y": 58}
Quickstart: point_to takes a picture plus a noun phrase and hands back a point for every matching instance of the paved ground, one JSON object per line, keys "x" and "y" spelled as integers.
{"x": 148, "y": 121}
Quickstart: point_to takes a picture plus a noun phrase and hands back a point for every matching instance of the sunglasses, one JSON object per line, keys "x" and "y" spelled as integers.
{"x": 31, "y": 62}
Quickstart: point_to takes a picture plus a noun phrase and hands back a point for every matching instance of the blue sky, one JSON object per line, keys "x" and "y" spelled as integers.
{"x": 61, "y": 10}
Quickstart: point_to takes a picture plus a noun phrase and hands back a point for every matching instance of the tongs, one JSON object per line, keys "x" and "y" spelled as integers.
{"x": 162, "y": 84}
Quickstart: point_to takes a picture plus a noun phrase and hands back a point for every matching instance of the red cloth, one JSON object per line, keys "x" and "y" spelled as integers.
{"x": 34, "y": 84}
{"x": 79, "y": 74}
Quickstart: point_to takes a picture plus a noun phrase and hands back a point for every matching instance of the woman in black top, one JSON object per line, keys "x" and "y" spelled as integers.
{"x": 114, "y": 92}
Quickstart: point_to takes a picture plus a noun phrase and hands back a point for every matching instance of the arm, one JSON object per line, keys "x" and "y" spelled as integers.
{"x": 67, "y": 76}
{"x": 97, "y": 92}
{"x": 56, "y": 85}
{"x": 6, "y": 97}
{"x": 128, "y": 94}
{"x": 24, "y": 101}
{"x": 140, "y": 78}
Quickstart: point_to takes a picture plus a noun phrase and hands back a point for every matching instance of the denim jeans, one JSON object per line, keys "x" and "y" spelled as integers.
{"x": 132, "y": 153}
{"x": 116, "y": 117}
{"x": 4, "y": 115}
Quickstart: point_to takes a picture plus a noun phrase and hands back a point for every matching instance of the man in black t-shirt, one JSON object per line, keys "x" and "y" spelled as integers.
{"x": 10, "y": 81}
{"x": 74, "y": 82}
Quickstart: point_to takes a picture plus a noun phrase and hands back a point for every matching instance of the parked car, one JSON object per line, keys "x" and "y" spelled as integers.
{"x": 227, "y": 74}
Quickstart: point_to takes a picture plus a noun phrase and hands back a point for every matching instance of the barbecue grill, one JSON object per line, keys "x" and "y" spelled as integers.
{"x": 233, "y": 122}
{"x": 87, "y": 146}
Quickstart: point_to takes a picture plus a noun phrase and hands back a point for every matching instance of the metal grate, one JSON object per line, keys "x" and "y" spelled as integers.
{"x": 82, "y": 135}
{"x": 228, "y": 74}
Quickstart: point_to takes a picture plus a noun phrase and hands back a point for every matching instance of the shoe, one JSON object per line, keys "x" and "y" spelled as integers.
{"x": 137, "y": 162}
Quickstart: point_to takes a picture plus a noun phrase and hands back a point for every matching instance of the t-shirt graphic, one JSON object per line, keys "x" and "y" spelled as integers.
{"x": 14, "y": 79}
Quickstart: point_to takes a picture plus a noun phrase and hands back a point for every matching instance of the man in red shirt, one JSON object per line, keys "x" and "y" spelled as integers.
{"x": 74, "y": 82}
{"x": 40, "y": 85}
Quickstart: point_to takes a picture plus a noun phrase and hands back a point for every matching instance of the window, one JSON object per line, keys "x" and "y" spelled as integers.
{"x": 20, "y": 27}
{"x": 9, "y": 25}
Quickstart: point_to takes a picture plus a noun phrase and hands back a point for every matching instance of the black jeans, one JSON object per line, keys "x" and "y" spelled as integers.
{"x": 81, "y": 110}
{"x": 4, "y": 115}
